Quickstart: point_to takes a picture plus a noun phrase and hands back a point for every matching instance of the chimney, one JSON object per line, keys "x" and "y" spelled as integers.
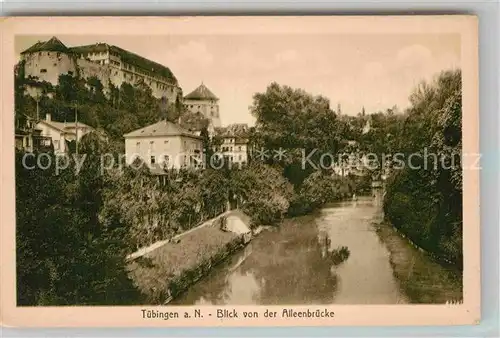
{"x": 48, "y": 117}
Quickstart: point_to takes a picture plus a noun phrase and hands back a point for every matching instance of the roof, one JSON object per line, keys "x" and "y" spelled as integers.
{"x": 128, "y": 57}
{"x": 52, "y": 45}
{"x": 63, "y": 126}
{"x": 162, "y": 128}
{"x": 201, "y": 93}
{"x": 240, "y": 130}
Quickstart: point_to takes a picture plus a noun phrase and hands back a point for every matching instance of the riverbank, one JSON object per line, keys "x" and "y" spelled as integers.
{"x": 169, "y": 268}
{"x": 423, "y": 279}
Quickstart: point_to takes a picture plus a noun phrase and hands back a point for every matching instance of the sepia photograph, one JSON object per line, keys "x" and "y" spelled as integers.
{"x": 170, "y": 170}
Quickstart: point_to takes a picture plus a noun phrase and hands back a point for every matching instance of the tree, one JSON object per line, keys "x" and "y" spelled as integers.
{"x": 426, "y": 202}
{"x": 264, "y": 193}
{"x": 298, "y": 122}
{"x": 66, "y": 255}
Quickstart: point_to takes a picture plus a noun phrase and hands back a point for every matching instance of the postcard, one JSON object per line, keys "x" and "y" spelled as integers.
{"x": 240, "y": 171}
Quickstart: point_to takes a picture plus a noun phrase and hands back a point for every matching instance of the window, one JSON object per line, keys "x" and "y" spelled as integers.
{"x": 166, "y": 159}
{"x": 239, "y": 148}
{"x": 56, "y": 144}
{"x": 165, "y": 142}
{"x": 43, "y": 70}
{"x": 239, "y": 158}
{"x": 70, "y": 72}
{"x": 153, "y": 160}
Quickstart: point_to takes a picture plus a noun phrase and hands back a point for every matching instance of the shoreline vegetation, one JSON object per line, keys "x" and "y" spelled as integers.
{"x": 423, "y": 279}
{"x": 74, "y": 231}
{"x": 425, "y": 203}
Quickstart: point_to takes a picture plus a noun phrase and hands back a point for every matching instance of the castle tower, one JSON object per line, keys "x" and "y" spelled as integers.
{"x": 46, "y": 60}
{"x": 202, "y": 100}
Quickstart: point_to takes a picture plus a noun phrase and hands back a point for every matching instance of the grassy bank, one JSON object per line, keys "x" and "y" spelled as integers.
{"x": 422, "y": 279}
{"x": 170, "y": 269}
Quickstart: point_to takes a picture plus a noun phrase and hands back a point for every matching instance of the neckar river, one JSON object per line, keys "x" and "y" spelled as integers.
{"x": 332, "y": 256}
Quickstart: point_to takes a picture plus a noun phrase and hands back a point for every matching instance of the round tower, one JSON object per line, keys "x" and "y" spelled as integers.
{"x": 46, "y": 60}
{"x": 202, "y": 100}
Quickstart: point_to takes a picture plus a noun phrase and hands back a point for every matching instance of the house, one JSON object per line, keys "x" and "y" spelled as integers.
{"x": 61, "y": 132}
{"x": 164, "y": 144}
{"x": 48, "y": 135}
{"x": 234, "y": 143}
{"x": 351, "y": 164}
{"x": 30, "y": 140}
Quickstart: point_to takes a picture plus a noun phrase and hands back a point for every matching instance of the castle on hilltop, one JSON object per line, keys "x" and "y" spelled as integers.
{"x": 47, "y": 60}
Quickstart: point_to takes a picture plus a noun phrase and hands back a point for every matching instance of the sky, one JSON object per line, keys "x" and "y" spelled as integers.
{"x": 355, "y": 71}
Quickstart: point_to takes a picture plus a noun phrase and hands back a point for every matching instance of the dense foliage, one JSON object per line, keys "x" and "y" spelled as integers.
{"x": 118, "y": 111}
{"x": 64, "y": 254}
{"x": 263, "y": 192}
{"x": 297, "y": 122}
{"x": 317, "y": 190}
{"x": 311, "y": 136}
{"x": 425, "y": 200}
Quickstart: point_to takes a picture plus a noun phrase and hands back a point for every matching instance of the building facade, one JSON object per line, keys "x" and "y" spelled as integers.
{"x": 164, "y": 145}
{"x": 203, "y": 101}
{"x": 61, "y": 132}
{"x": 234, "y": 143}
{"x": 48, "y": 60}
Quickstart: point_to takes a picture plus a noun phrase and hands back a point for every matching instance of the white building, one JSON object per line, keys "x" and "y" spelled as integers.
{"x": 60, "y": 132}
{"x": 351, "y": 164}
{"x": 164, "y": 145}
{"x": 234, "y": 145}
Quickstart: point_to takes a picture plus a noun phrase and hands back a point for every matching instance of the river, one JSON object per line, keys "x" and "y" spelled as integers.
{"x": 301, "y": 262}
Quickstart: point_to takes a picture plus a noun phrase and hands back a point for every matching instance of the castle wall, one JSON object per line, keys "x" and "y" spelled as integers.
{"x": 88, "y": 69}
{"x": 47, "y": 66}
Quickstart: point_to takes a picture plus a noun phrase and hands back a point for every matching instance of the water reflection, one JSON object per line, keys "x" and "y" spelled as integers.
{"x": 333, "y": 256}
{"x": 287, "y": 265}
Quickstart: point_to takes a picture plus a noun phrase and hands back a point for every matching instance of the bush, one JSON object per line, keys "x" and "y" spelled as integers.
{"x": 318, "y": 188}
{"x": 263, "y": 192}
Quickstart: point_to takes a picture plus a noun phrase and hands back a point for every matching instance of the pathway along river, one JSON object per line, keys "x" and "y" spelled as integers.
{"x": 294, "y": 263}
